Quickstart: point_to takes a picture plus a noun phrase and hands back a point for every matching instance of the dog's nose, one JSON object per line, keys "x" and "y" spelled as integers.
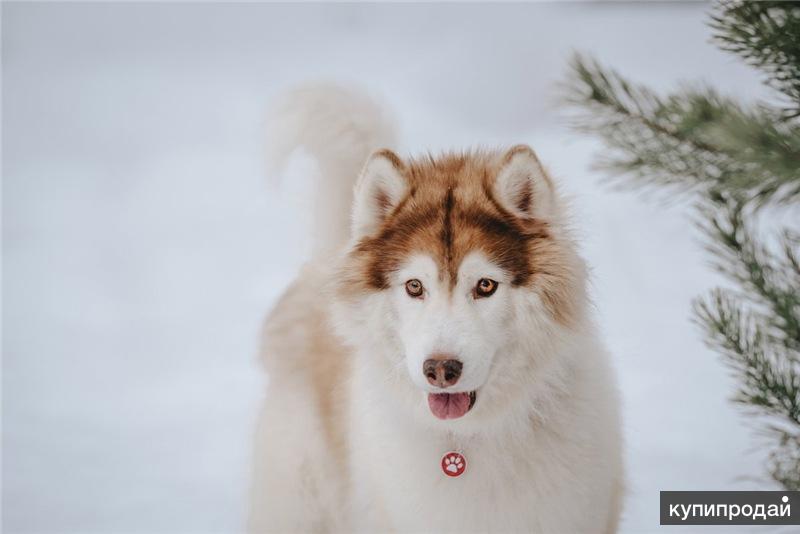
{"x": 442, "y": 370}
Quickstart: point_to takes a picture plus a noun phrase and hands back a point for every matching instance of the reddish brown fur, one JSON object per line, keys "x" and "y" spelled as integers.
{"x": 449, "y": 211}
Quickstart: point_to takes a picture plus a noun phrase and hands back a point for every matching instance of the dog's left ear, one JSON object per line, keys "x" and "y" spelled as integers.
{"x": 522, "y": 186}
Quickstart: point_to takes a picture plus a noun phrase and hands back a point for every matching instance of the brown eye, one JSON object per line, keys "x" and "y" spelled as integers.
{"x": 414, "y": 288}
{"x": 485, "y": 287}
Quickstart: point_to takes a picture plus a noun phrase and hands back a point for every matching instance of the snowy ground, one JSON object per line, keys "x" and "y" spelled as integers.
{"x": 142, "y": 243}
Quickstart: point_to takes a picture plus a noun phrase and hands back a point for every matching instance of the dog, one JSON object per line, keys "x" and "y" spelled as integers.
{"x": 434, "y": 367}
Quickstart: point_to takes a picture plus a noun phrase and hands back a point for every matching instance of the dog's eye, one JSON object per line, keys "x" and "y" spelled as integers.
{"x": 485, "y": 288}
{"x": 414, "y": 288}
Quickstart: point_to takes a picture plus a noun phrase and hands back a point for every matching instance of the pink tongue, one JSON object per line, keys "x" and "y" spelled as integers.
{"x": 448, "y": 405}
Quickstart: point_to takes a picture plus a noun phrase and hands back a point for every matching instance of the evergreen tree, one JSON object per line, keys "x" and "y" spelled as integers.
{"x": 741, "y": 164}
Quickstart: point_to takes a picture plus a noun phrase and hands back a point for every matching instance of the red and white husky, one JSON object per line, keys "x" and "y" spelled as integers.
{"x": 435, "y": 367}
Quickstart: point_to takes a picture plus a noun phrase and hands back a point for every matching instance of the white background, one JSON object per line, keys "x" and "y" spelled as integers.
{"x": 143, "y": 243}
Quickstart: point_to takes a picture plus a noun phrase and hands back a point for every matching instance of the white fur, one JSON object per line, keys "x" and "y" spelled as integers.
{"x": 542, "y": 442}
{"x": 450, "y": 323}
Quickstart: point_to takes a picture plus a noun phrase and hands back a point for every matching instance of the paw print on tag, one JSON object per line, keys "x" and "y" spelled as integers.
{"x": 453, "y": 464}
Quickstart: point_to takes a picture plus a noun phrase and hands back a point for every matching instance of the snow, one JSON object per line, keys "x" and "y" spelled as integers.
{"x": 142, "y": 242}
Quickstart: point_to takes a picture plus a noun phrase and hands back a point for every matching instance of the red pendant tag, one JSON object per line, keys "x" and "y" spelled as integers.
{"x": 453, "y": 464}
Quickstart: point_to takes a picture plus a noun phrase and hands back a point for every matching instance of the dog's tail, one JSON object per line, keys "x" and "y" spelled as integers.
{"x": 340, "y": 127}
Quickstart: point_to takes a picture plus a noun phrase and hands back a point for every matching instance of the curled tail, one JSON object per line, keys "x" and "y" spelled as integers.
{"x": 340, "y": 127}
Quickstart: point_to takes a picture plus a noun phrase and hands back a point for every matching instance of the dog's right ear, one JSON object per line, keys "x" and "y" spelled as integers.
{"x": 380, "y": 188}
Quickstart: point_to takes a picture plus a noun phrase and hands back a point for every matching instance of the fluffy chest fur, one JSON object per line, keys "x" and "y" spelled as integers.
{"x": 337, "y": 450}
{"x": 556, "y": 472}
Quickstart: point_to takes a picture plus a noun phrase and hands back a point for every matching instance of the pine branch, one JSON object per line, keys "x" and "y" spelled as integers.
{"x": 768, "y": 279}
{"x": 767, "y": 36}
{"x": 689, "y": 141}
{"x": 738, "y": 159}
{"x": 784, "y": 462}
{"x": 791, "y": 243}
{"x": 760, "y": 342}
{"x": 769, "y": 377}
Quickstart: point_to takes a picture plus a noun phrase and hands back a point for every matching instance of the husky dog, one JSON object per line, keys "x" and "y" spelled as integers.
{"x": 434, "y": 367}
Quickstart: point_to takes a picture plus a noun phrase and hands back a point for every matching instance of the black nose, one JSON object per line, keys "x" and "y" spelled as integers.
{"x": 442, "y": 371}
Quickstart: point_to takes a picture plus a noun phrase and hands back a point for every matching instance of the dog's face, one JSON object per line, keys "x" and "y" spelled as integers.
{"x": 459, "y": 275}
{"x": 438, "y": 320}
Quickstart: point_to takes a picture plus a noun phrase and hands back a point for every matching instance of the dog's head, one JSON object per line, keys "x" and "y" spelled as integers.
{"x": 460, "y": 282}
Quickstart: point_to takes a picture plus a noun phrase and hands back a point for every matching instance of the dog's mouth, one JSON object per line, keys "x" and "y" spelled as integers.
{"x": 451, "y": 405}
